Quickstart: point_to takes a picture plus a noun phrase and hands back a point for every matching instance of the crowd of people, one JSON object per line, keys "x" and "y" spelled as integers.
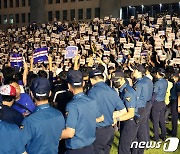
{"x": 122, "y": 76}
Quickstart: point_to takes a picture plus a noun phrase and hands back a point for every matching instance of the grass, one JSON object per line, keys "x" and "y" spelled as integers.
{"x": 114, "y": 149}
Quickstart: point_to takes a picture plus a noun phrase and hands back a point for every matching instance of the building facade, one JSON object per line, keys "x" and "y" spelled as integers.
{"x": 22, "y": 12}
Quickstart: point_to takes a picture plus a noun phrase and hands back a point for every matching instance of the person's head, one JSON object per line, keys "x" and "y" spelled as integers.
{"x": 96, "y": 76}
{"x": 40, "y": 90}
{"x": 127, "y": 73}
{"x": 118, "y": 79}
{"x": 160, "y": 73}
{"x": 8, "y": 73}
{"x": 75, "y": 81}
{"x": 139, "y": 71}
{"x": 175, "y": 77}
{"x": 8, "y": 94}
{"x": 148, "y": 69}
{"x": 15, "y": 84}
{"x": 42, "y": 74}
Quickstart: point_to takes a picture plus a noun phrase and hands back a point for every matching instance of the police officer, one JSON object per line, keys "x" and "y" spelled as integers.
{"x": 147, "y": 78}
{"x": 10, "y": 139}
{"x": 80, "y": 118}
{"x": 128, "y": 124}
{"x": 158, "y": 108}
{"x": 108, "y": 101}
{"x": 141, "y": 88}
{"x": 42, "y": 129}
{"x": 9, "y": 114}
{"x": 174, "y": 104}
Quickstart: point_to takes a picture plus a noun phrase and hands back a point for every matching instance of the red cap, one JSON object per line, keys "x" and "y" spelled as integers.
{"x": 7, "y": 90}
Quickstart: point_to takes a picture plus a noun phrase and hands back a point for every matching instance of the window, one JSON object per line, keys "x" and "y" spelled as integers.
{"x": 11, "y": 20}
{"x": 0, "y": 4}
{"x": 0, "y": 19}
{"x": 50, "y": 1}
{"x": 17, "y": 3}
{"x": 5, "y": 19}
{"x": 11, "y": 4}
{"x": 5, "y": 4}
{"x": 17, "y": 18}
{"x": 64, "y": 14}
{"x": 57, "y": 1}
{"x": 72, "y": 12}
{"x": 29, "y": 16}
{"x": 80, "y": 14}
{"x": 73, "y": 0}
{"x": 97, "y": 12}
{"x": 65, "y": 1}
{"x": 81, "y": 0}
{"x": 88, "y": 13}
{"x": 23, "y": 17}
{"x": 23, "y": 3}
{"x": 50, "y": 15}
{"x": 57, "y": 15}
{"x": 29, "y": 2}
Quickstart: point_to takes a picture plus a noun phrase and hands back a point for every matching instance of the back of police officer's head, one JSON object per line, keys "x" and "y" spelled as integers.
{"x": 96, "y": 76}
{"x": 75, "y": 81}
{"x": 160, "y": 73}
{"x": 8, "y": 94}
{"x": 139, "y": 71}
{"x": 40, "y": 90}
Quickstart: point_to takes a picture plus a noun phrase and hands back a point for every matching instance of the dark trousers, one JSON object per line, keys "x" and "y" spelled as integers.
{"x": 127, "y": 136}
{"x": 85, "y": 150}
{"x": 158, "y": 117}
{"x": 142, "y": 130}
{"x": 174, "y": 112}
{"x": 148, "y": 111}
{"x": 104, "y": 140}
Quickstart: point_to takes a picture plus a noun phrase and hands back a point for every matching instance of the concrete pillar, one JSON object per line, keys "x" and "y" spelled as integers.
{"x": 37, "y": 11}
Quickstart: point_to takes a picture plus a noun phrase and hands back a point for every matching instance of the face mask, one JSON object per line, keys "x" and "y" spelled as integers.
{"x": 116, "y": 84}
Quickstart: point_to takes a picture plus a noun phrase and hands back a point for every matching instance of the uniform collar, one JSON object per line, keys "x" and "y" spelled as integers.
{"x": 160, "y": 78}
{"x": 40, "y": 107}
{"x": 138, "y": 79}
{"x": 122, "y": 88}
{"x": 99, "y": 83}
{"x": 78, "y": 95}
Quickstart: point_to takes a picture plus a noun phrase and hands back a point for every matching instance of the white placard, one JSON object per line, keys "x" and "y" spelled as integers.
{"x": 126, "y": 46}
{"x": 162, "y": 57}
{"x": 168, "y": 45}
{"x": 122, "y": 40}
{"x": 139, "y": 44}
{"x": 107, "y": 53}
{"x": 87, "y": 46}
{"x": 176, "y": 60}
{"x": 105, "y": 42}
{"x": 137, "y": 49}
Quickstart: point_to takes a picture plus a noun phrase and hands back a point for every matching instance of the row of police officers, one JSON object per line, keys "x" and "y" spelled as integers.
{"x": 88, "y": 122}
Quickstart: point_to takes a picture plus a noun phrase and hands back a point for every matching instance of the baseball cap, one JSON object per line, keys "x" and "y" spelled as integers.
{"x": 40, "y": 86}
{"x": 117, "y": 75}
{"x": 75, "y": 78}
{"x": 94, "y": 73}
{"x": 7, "y": 90}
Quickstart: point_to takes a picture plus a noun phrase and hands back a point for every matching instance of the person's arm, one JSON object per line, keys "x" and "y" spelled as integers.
{"x": 100, "y": 119}
{"x": 179, "y": 102}
{"x": 128, "y": 115}
{"x": 68, "y": 133}
{"x": 31, "y": 64}
{"x": 76, "y": 62}
{"x": 25, "y": 73}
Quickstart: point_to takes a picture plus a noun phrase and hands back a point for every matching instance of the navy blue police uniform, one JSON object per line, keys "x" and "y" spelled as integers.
{"x": 81, "y": 113}
{"x": 42, "y": 130}
{"x": 148, "y": 106}
{"x": 10, "y": 139}
{"x": 141, "y": 87}
{"x": 108, "y": 101}
{"x": 130, "y": 127}
{"x": 158, "y": 108}
{"x": 174, "y": 107}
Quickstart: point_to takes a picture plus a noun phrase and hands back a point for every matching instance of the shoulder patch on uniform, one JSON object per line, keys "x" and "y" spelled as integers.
{"x": 21, "y": 127}
{"x": 128, "y": 98}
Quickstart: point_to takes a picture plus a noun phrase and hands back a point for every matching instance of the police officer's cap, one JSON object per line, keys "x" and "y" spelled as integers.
{"x": 161, "y": 71}
{"x": 75, "y": 78}
{"x": 118, "y": 75}
{"x": 40, "y": 86}
{"x": 94, "y": 73}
